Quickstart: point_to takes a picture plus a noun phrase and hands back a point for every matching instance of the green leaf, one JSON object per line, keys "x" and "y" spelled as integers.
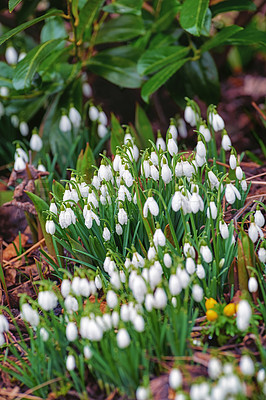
{"x": 160, "y": 78}
{"x": 6, "y": 75}
{"x": 220, "y": 38}
{"x": 233, "y": 5}
{"x": 87, "y": 15}
{"x": 192, "y": 15}
{"x": 248, "y": 36}
{"x": 85, "y": 162}
{"x": 26, "y": 68}
{"x": 205, "y": 30}
{"x": 124, "y": 7}
{"x": 54, "y": 28}
{"x": 143, "y": 127}
{"x": 117, "y": 134}
{"x": 118, "y": 70}
{"x": 12, "y": 4}
{"x": 168, "y": 12}
{"x": 120, "y": 29}
{"x": 26, "y": 25}
{"x": 155, "y": 59}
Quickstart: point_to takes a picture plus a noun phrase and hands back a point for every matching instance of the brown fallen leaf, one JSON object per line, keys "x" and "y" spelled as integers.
{"x": 10, "y": 251}
{"x": 10, "y": 276}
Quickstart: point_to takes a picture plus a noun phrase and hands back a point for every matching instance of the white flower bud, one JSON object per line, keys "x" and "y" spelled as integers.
{"x": 24, "y": 128}
{"x": 41, "y": 168}
{"x": 160, "y": 298}
{"x": 64, "y": 124}
{"x": 86, "y": 89}
{"x": 74, "y": 117}
{"x": 166, "y": 173}
{"x": 232, "y": 161}
{"x": 159, "y": 238}
{"x": 200, "y": 271}
{"x": 172, "y": 147}
{"x": 206, "y": 253}
{"x": 65, "y": 287}
{"x": 111, "y": 299}
{"x": 142, "y": 393}
{"x": 182, "y": 129}
{"x": 119, "y": 229}
{"x": 44, "y": 334}
{"x": 4, "y": 326}
{"x": 87, "y": 352}
{"x": 106, "y": 234}
{"x": 223, "y": 230}
{"x": 246, "y": 366}
{"x": 197, "y": 293}
{"x": 175, "y": 379}
{"x": 259, "y": 218}
{"x": 226, "y": 143}
{"x": 160, "y": 143}
{"x": 123, "y": 338}
{"x": 50, "y": 227}
{"x": 70, "y": 363}
{"x": 216, "y": 121}
{"x": 214, "y": 368}
{"x": 205, "y": 132}
{"x": 152, "y": 206}
{"x": 11, "y": 55}
{"x": 21, "y": 56}
{"x": 71, "y": 332}
{"x": 30, "y": 315}
{"x": 19, "y": 164}
{"x": 35, "y": 142}
{"x": 102, "y": 131}
{"x": 139, "y": 323}
{"x": 93, "y": 113}
{"x": 252, "y": 285}
{"x": 167, "y": 260}
{"x": 239, "y": 173}
{"x": 190, "y": 116}
{"x": 174, "y": 285}
{"x": 102, "y": 118}
{"x": 47, "y": 300}
{"x": 262, "y": 254}
{"x": 190, "y": 265}
{"x": 201, "y": 149}
{"x": 243, "y": 315}
{"x": 261, "y": 375}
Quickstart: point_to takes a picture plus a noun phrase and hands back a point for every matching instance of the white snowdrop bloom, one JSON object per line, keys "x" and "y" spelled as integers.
{"x": 102, "y": 118}
{"x": 216, "y": 121}
{"x": 124, "y": 313}
{"x": 190, "y": 265}
{"x": 172, "y": 146}
{"x": 115, "y": 319}
{"x": 179, "y": 169}
{"x": 154, "y": 158}
{"x": 142, "y": 393}
{"x": 47, "y": 300}
{"x": 205, "y": 132}
{"x": 174, "y": 302}
{"x": 21, "y": 153}
{"x": 232, "y": 161}
{"x": 11, "y": 55}
{"x": 128, "y": 178}
{"x": 197, "y": 293}
{"x": 4, "y": 91}
{"x": 70, "y": 217}
{"x": 44, "y": 334}
{"x": 50, "y": 227}
{"x": 35, "y": 142}
{"x": 123, "y": 338}
{"x": 261, "y": 375}
{"x": 199, "y": 161}
{"x": 149, "y": 302}
{"x": 24, "y": 128}
{"x": 139, "y": 289}
{"x": 65, "y": 287}
{"x": 244, "y": 185}
{"x": 4, "y": 325}
{"x": 93, "y": 113}
{"x": 41, "y": 168}
{"x": 102, "y": 131}
{"x": 167, "y": 260}
{"x": 259, "y": 218}
{"x": 84, "y": 189}
{"x": 231, "y": 193}
{"x": 239, "y": 173}
{"x": 106, "y": 234}
{"x": 180, "y": 396}
{"x": 182, "y": 129}
{"x": 262, "y": 254}
{"x": 166, "y": 174}
{"x": 123, "y": 193}
{"x": 70, "y": 363}
{"x": 226, "y": 143}
{"x": 111, "y": 299}
{"x": 195, "y": 393}
{"x": 152, "y": 206}
{"x": 159, "y": 238}
{"x": 155, "y": 275}
{"x": 115, "y": 280}
{"x": 21, "y": 56}
{"x": 213, "y": 209}
{"x": 228, "y": 369}
{"x": 87, "y": 352}
{"x": 105, "y": 172}
{"x": 200, "y": 271}
{"x": 189, "y": 250}
{"x": 96, "y": 182}
{"x": 128, "y": 138}
{"x": 188, "y": 169}
{"x": 160, "y": 298}
{"x": 71, "y": 304}
{"x": 160, "y": 143}
{"x": 86, "y": 89}
{"x": 67, "y": 194}
{"x": 174, "y": 285}
{"x": 151, "y": 252}
{"x": 90, "y": 217}
{"x": 213, "y": 180}
{"x": 145, "y": 168}
{"x": 30, "y": 315}
{"x": 254, "y": 231}
{"x": 74, "y": 117}
{"x": 139, "y": 323}
{"x": 201, "y": 149}
{"x": 119, "y": 229}
{"x": 176, "y": 201}
{"x": 106, "y": 263}
{"x": 19, "y": 164}
{"x": 122, "y": 216}
{"x": 214, "y": 368}
{"x": 122, "y": 276}
{"x": 196, "y": 203}
{"x": 117, "y": 163}
{"x": 224, "y": 231}
{"x": 252, "y": 285}
{"x": 173, "y": 130}
{"x": 175, "y": 379}
{"x": 246, "y": 366}
{"x": 137, "y": 260}
{"x": 92, "y": 199}
{"x": 90, "y": 329}
{"x": 183, "y": 277}
{"x": 93, "y": 288}
{"x": 243, "y": 315}
{"x": 107, "y": 321}
{"x": 190, "y": 116}
{"x": 71, "y": 332}
{"x": 84, "y": 287}
{"x": 62, "y": 220}
{"x": 64, "y": 124}
{"x": 206, "y": 253}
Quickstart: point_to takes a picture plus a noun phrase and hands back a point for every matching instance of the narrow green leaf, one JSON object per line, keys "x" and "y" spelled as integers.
{"x": 117, "y": 134}
{"x": 26, "y": 68}
{"x": 6, "y": 75}
{"x": 85, "y": 162}
{"x": 192, "y": 15}
{"x": 54, "y": 28}
{"x": 143, "y": 127}
{"x": 168, "y": 12}
{"x": 248, "y": 36}
{"x": 26, "y": 25}
{"x": 155, "y": 59}
{"x": 87, "y": 15}
{"x": 124, "y": 7}
{"x": 120, "y": 29}
{"x": 233, "y": 5}
{"x": 160, "y": 78}
{"x": 220, "y": 38}
{"x": 12, "y": 4}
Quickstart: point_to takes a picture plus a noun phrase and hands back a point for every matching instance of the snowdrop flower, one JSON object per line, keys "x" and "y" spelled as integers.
{"x": 11, "y": 55}
{"x": 254, "y": 231}
{"x": 65, "y": 287}
{"x": 167, "y": 260}
{"x": 216, "y": 121}
{"x": 117, "y": 163}
{"x": 206, "y": 253}
{"x": 84, "y": 287}
{"x": 262, "y": 254}
{"x": 177, "y": 201}
{"x": 119, "y": 229}
{"x": 145, "y": 168}
{"x": 70, "y": 363}
{"x": 19, "y": 164}
{"x": 4, "y": 325}
{"x": 115, "y": 280}
{"x": 50, "y": 227}
{"x": 172, "y": 129}
{"x": 86, "y": 89}
{"x": 154, "y": 158}
{"x": 102, "y": 131}
{"x": 102, "y": 118}
{"x": 35, "y": 141}
{"x": 174, "y": 285}
{"x": 231, "y": 193}
{"x": 152, "y": 206}
{"x": 201, "y": 149}
{"x": 213, "y": 180}
{"x": 64, "y": 124}
{"x": 190, "y": 265}
{"x": 123, "y": 338}
{"x": 70, "y": 217}
{"x": 239, "y": 173}
{"x": 246, "y": 366}
{"x": 106, "y": 234}
{"x": 166, "y": 173}
{"x": 92, "y": 199}
{"x": 175, "y": 379}
{"x": 96, "y": 182}
{"x": 123, "y": 193}
{"x": 226, "y": 142}
{"x": 160, "y": 298}
{"x": 105, "y": 172}
{"x": 188, "y": 169}
{"x": 244, "y": 185}
{"x": 93, "y": 113}
{"x": 4, "y": 91}
{"x": 74, "y": 117}
{"x": 87, "y": 352}
{"x": 139, "y": 323}
{"x": 151, "y": 252}
{"x": 160, "y": 143}
{"x": 41, "y": 167}
{"x": 212, "y": 210}
{"x": 200, "y": 271}
{"x": 243, "y": 315}
{"x": 71, "y": 332}
{"x": 172, "y": 146}
{"x": 182, "y": 129}
{"x": 259, "y": 218}
{"x": 122, "y": 216}
{"x": 223, "y": 229}
{"x": 154, "y": 173}
{"x": 158, "y": 237}
{"x": 142, "y": 393}
{"x": 189, "y": 250}
{"x": 261, "y": 375}
{"x": 30, "y": 315}
{"x": 232, "y": 160}
{"x": 44, "y": 334}
{"x": 24, "y": 128}
{"x": 196, "y": 202}
{"x": 71, "y": 304}
{"x": 197, "y": 293}
{"x": 21, "y": 56}
{"x": 90, "y": 216}
{"x": 90, "y": 329}
{"x": 214, "y": 368}
{"x": 47, "y": 300}
{"x": 190, "y": 116}
{"x": 252, "y": 285}
{"x": 111, "y": 299}
{"x": 21, "y": 153}
{"x": 128, "y": 178}
{"x": 205, "y": 132}
{"x": 139, "y": 288}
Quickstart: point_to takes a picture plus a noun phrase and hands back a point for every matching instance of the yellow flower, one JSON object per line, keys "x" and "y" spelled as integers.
{"x": 230, "y": 310}
{"x": 210, "y": 303}
{"x": 211, "y": 315}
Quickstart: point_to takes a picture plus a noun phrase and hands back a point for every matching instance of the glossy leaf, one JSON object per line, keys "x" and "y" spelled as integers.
{"x": 233, "y": 5}
{"x": 6, "y": 75}
{"x": 8, "y": 35}
{"x": 192, "y": 15}
{"x": 143, "y": 127}
{"x": 205, "y": 30}
{"x": 117, "y": 134}
{"x": 26, "y": 68}
{"x": 85, "y": 162}
{"x": 120, "y": 29}
{"x": 124, "y": 7}
{"x": 248, "y": 36}
{"x": 54, "y": 28}
{"x": 220, "y": 38}
{"x": 155, "y": 59}
{"x": 160, "y": 78}
{"x": 87, "y": 15}
{"x": 168, "y": 12}
{"x": 12, "y": 4}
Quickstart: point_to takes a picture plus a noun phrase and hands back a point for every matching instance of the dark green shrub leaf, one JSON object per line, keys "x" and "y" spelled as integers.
{"x": 233, "y": 5}
{"x": 124, "y": 7}
{"x": 6, "y": 75}
{"x": 248, "y": 36}
{"x": 119, "y": 29}
{"x": 220, "y": 38}
{"x": 12, "y": 4}
{"x": 192, "y": 16}
{"x": 205, "y": 30}
{"x": 143, "y": 127}
{"x": 87, "y": 15}
{"x": 169, "y": 9}
{"x": 54, "y": 28}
